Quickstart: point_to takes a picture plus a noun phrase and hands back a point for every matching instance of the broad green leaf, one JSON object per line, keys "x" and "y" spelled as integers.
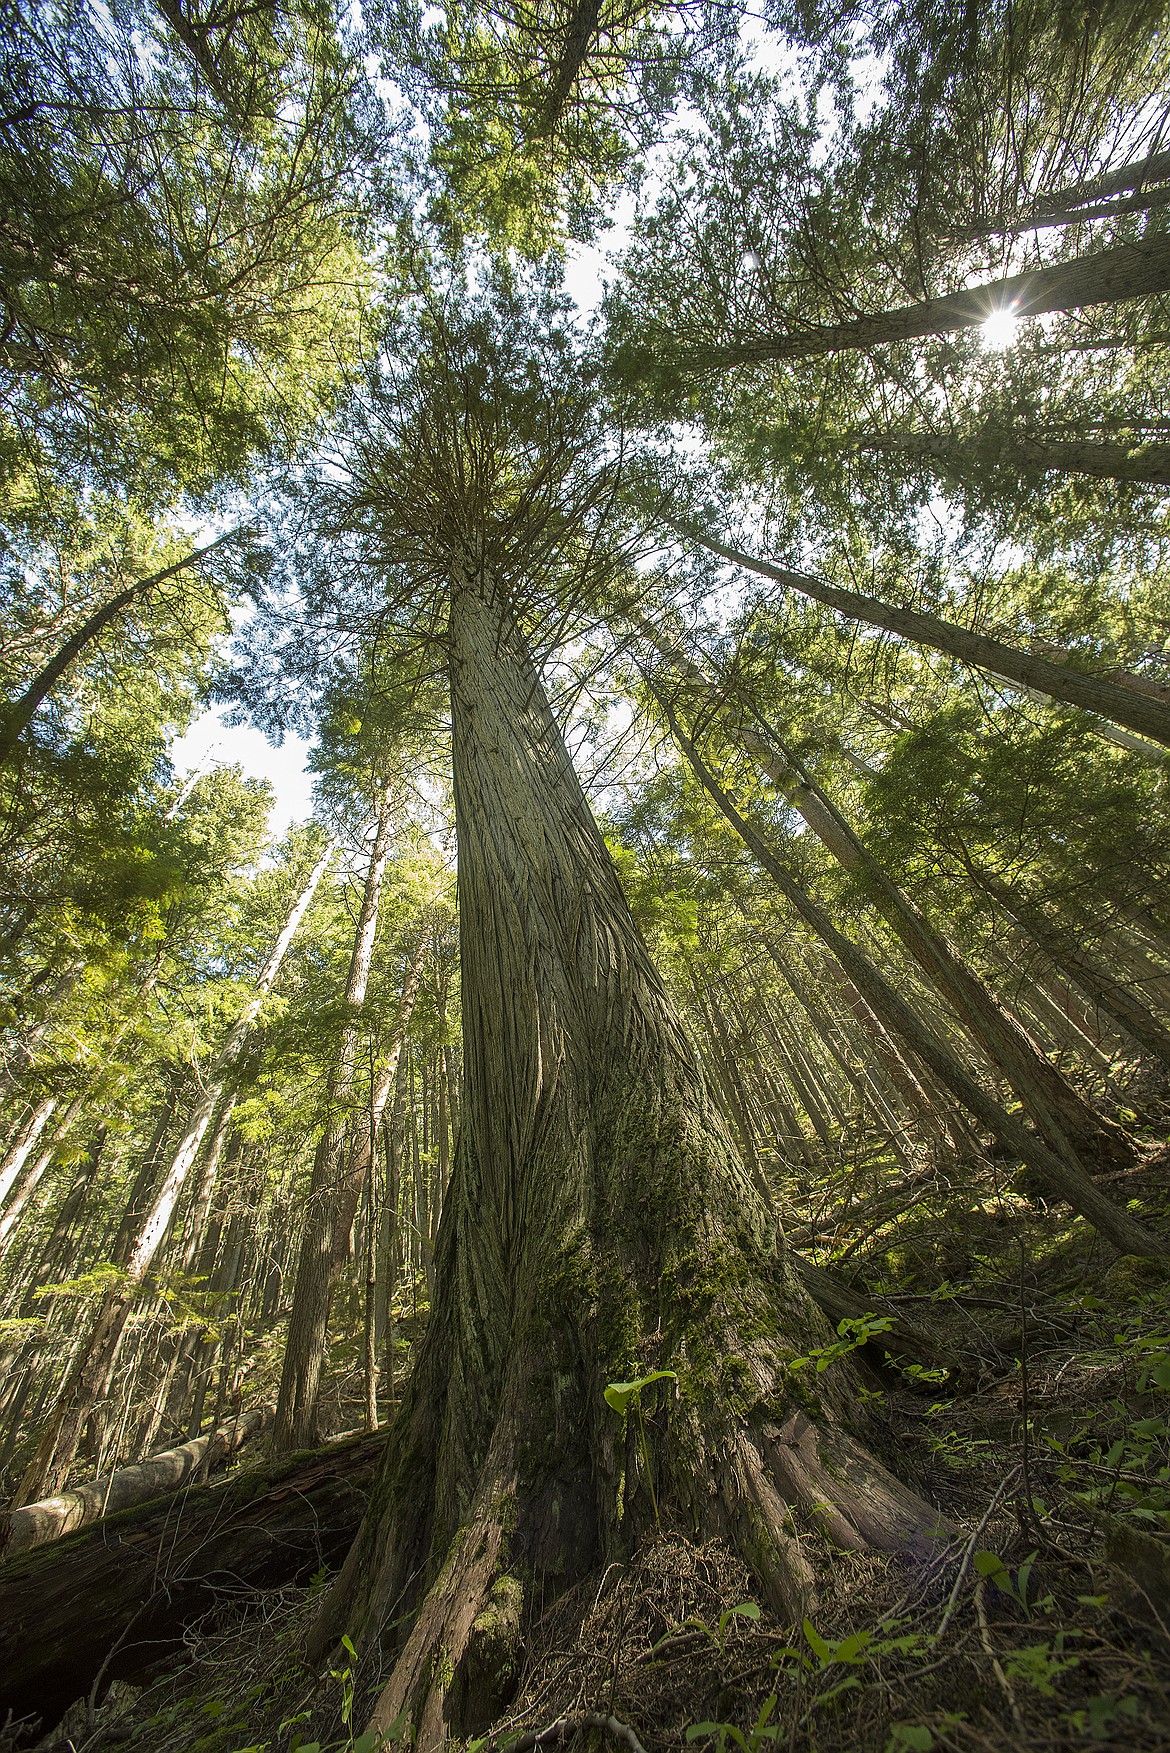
{"x": 816, "y": 1642}
{"x": 619, "y": 1394}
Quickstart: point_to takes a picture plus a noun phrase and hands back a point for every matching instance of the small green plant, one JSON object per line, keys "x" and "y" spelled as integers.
{"x": 345, "y": 1677}
{"x": 852, "y": 1332}
{"x": 920, "y": 1372}
{"x": 1099, "y": 1716}
{"x": 918, "y": 1737}
{"x": 741, "y": 1610}
{"x": 1040, "y": 1665}
{"x": 828, "y": 1660}
{"x": 1153, "y": 1351}
{"x": 993, "y": 1568}
{"x": 909, "y": 1738}
{"x": 851, "y": 1651}
{"x": 618, "y": 1396}
{"x": 762, "y": 1731}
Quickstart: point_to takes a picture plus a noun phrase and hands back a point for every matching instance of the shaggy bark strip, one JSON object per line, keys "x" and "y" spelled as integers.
{"x": 599, "y": 1226}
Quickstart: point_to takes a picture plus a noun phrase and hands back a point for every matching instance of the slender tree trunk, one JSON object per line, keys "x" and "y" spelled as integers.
{"x": 370, "y": 1306}
{"x": 862, "y": 1080}
{"x": 722, "y": 1062}
{"x": 171, "y": 1352}
{"x": 599, "y": 1224}
{"x": 1140, "y": 462}
{"x": 1107, "y": 276}
{"x": 1058, "y": 1110}
{"x": 23, "y": 1188}
{"x": 19, "y": 714}
{"x": 25, "y": 1142}
{"x": 25, "y": 1051}
{"x": 580, "y": 31}
{"x": 1062, "y": 1174}
{"x": 1098, "y": 981}
{"x": 334, "y": 1192}
{"x": 87, "y": 1378}
{"x": 1092, "y": 693}
{"x": 1137, "y": 187}
{"x": 394, "y": 1253}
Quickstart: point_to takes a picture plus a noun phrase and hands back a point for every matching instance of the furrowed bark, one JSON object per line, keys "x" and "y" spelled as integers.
{"x": 599, "y": 1224}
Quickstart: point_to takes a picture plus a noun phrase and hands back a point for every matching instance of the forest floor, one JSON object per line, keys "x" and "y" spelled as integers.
{"x": 1044, "y": 1623}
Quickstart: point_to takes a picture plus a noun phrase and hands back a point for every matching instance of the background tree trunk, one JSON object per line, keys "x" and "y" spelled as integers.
{"x": 295, "y": 1426}
{"x": 86, "y": 1379}
{"x": 1112, "y": 700}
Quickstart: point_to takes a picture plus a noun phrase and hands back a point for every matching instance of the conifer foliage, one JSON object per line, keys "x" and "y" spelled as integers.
{"x": 654, "y": 1187}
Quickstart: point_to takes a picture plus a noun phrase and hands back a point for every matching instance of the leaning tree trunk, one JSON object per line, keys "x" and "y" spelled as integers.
{"x": 1104, "y": 460}
{"x": 24, "y": 1142}
{"x": 19, "y": 714}
{"x": 1060, "y": 1113}
{"x": 86, "y": 1379}
{"x": 1136, "y": 187}
{"x": 1107, "y": 276}
{"x": 580, "y": 32}
{"x": 27, "y": 1183}
{"x": 1120, "y": 703}
{"x": 599, "y": 1225}
{"x": 1062, "y": 1174}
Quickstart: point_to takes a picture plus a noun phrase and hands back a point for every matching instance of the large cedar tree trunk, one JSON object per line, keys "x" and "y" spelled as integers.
{"x": 599, "y": 1225}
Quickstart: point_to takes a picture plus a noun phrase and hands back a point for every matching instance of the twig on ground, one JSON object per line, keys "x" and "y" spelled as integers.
{"x": 952, "y": 1600}
{"x": 985, "y": 1639}
{"x": 565, "y": 1725}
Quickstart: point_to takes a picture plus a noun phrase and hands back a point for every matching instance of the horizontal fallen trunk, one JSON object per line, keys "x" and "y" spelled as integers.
{"x": 121, "y": 1592}
{"x": 902, "y": 1339}
{"x": 36, "y": 1524}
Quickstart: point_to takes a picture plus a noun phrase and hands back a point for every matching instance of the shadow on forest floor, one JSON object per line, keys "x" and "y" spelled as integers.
{"x": 1044, "y": 1623}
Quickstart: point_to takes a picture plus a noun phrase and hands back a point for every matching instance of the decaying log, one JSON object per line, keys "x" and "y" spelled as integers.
{"x": 121, "y": 1592}
{"x": 36, "y": 1524}
{"x": 839, "y": 1301}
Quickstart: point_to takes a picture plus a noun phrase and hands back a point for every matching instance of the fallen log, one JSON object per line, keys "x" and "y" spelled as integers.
{"x": 35, "y": 1524}
{"x": 114, "y": 1598}
{"x": 902, "y": 1339}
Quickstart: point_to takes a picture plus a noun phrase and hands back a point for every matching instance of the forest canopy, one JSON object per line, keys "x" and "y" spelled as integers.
{"x": 642, "y": 1219}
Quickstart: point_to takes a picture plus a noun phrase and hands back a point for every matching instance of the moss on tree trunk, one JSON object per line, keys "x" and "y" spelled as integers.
{"x": 599, "y": 1226}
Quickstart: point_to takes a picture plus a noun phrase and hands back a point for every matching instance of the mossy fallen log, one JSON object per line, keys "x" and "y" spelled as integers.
{"x": 113, "y": 1598}
{"x": 37, "y": 1524}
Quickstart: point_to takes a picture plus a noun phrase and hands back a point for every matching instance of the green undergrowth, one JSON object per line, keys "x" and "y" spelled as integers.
{"x": 1041, "y": 1623}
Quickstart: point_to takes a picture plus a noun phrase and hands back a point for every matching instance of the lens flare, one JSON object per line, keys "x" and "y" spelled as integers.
{"x": 999, "y": 330}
